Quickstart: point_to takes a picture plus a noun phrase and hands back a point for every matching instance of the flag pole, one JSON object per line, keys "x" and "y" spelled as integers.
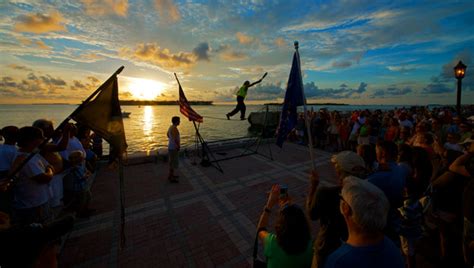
{"x": 11, "y": 176}
{"x": 306, "y": 119}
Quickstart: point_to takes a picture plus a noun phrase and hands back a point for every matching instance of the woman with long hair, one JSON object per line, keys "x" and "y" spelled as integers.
{"x": 290, "y": 245}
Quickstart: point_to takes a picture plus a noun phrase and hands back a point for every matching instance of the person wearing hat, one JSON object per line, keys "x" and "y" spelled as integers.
{"x": 323, "y": 204}
{"x": 464, "y": 166}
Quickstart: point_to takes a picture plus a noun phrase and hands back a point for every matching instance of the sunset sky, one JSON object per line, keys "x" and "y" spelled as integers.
{"x": 357, "y": 52}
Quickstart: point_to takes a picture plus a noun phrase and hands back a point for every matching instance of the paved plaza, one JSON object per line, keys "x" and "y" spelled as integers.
{"x": 208, "y": 219}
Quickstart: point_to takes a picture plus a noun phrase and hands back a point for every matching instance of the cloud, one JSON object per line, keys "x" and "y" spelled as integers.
{"x": 313, "y": 91}
{"x": 231, "y": 55}
{"x": 227, "y": 53}
{"x": 401, "y": 68}
{"x": 106, "y": 7}
{"x": 152, "y": 53}
{"x": 244, "y": 39}
{"x": 7, "y": 81}
{"x": 167, "y": 9}
{"x": 202, "y": 51}
{"x": 77, "y": 85}
{"x": 40, "y": 44}
{"x": 447, "y": 71}
{"x": 341, "y": 64}
{"x": 437, "y": 88}
{"x": 91, "y": 84}
{"x": 391, "y": 92}
{"x": 280, "y": 42}
{"x": 47, "y": 80}
{"x": 19, "y": 67}
{"x": 92, "y": 57}
{"x": 277, "y": 90}
{"x": 33, "y": 86}
{"x": 267, "y": 92}
{"x": 40, "y": 23}
{"x": 445, "y": 81}
{"x": 362, "y": 88}
{"x": 36, "y": 86}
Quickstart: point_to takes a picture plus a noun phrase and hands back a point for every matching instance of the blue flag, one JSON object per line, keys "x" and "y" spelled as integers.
{"x": 293, "y": 98}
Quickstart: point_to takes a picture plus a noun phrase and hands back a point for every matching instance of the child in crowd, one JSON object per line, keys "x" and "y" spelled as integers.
{"x": 343, "y": 133}
{"x": 333, "y": 133}
{"x": 31, "y": 190}
{"x": 97, "y": 144}
{"x": 78, "y": 195}
{"x": 300, "y": 129}
{"x": 410, "y": 229}
{"x": 452, "y": 140}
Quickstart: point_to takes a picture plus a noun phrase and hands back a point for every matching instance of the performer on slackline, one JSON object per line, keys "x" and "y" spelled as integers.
{"x": 241, "y": 94}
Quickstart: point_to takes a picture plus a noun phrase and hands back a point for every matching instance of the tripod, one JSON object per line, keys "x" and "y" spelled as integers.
{"x": 205, "y": 151}
{"x": 257, "y": 142}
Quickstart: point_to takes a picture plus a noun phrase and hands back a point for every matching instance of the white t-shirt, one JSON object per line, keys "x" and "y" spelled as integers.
{"x": 28, "y": 193}
{"x": 171, "y": 142}
{"x": 7, "y": 156}
{"x": 406, "y": 123}
{"x": 74, "y": 144}
{"x": 56, "y": 188}
{"x": 453, "y": 146}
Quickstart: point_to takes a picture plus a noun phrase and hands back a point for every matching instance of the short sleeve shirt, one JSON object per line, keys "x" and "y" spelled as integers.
{"x": 7, "y": 156}
{"x": 27, "y": 192}
{"x": 385, "y": 254}
{"x": 242, "y": 91}
{"x": 277, "y": 257}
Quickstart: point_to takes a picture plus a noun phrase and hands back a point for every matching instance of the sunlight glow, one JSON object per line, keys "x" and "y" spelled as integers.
{"x": 144, "y": 89}
{"x": 148, "y": 121}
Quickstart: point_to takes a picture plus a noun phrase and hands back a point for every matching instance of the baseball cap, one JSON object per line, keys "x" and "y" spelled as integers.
{"x": 348, "y": 161}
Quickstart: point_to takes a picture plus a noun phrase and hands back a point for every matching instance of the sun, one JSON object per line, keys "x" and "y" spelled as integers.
{"x": 145, "y": 89}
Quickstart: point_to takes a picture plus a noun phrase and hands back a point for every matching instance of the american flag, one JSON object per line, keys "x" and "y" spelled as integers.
{"x": 184, "y": 106}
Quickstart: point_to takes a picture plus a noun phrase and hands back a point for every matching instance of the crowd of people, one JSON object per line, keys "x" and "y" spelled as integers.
{"x": 45, "y": 180}
{"x": 405, "y": 176}
{"x": 406, "y": 189}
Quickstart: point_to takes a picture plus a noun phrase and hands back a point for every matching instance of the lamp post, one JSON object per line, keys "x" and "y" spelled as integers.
{"x": 459, "y": 72}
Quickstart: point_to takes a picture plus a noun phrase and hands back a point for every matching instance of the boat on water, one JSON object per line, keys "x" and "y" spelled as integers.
{"x": 126, "y": 114}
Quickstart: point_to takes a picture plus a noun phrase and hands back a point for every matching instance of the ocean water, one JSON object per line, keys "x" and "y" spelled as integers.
{"x": 147, "y": 126}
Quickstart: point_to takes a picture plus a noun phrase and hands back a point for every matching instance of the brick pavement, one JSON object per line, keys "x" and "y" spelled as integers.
{"x": 207, "y": 220}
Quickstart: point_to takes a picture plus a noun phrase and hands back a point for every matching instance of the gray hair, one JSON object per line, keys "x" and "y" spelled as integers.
{"x": 368, "y": 203}
{"x": 43, "y": 123}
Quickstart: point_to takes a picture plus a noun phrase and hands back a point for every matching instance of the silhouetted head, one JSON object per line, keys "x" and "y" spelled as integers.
{"x": 10, "y": 133}
{"x": 45, "y": 125}
{"x": 175, "y": 120}
{"x": 30, "y": 137}
{"x": 292, "y": 230}
{"x": 246, "y": 83}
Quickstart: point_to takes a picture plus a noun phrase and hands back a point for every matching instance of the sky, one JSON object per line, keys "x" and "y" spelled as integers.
{"x": 355, "y": 52}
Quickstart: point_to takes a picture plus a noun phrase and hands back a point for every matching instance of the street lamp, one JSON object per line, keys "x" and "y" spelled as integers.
{"x": 459, "y": 72}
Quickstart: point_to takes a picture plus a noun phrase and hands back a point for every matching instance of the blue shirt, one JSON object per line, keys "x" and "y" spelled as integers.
{"x": 385, "y": 254}
{"x": 391, "y": 182}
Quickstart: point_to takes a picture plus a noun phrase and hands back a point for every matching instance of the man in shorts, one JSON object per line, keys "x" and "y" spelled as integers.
{"x": 174, "y": 145}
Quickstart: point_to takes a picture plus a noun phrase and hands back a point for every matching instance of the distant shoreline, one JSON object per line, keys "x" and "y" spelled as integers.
{"x": 326, "y": 103}
{"x": 138, "y": 102}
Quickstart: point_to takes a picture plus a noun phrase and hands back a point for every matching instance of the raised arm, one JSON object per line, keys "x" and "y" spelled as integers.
{"x": 458, "y": 165}
{"x": 311, "y": 199}
{"x": 258, "y": 81}
{"x": 272, "y": 201}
